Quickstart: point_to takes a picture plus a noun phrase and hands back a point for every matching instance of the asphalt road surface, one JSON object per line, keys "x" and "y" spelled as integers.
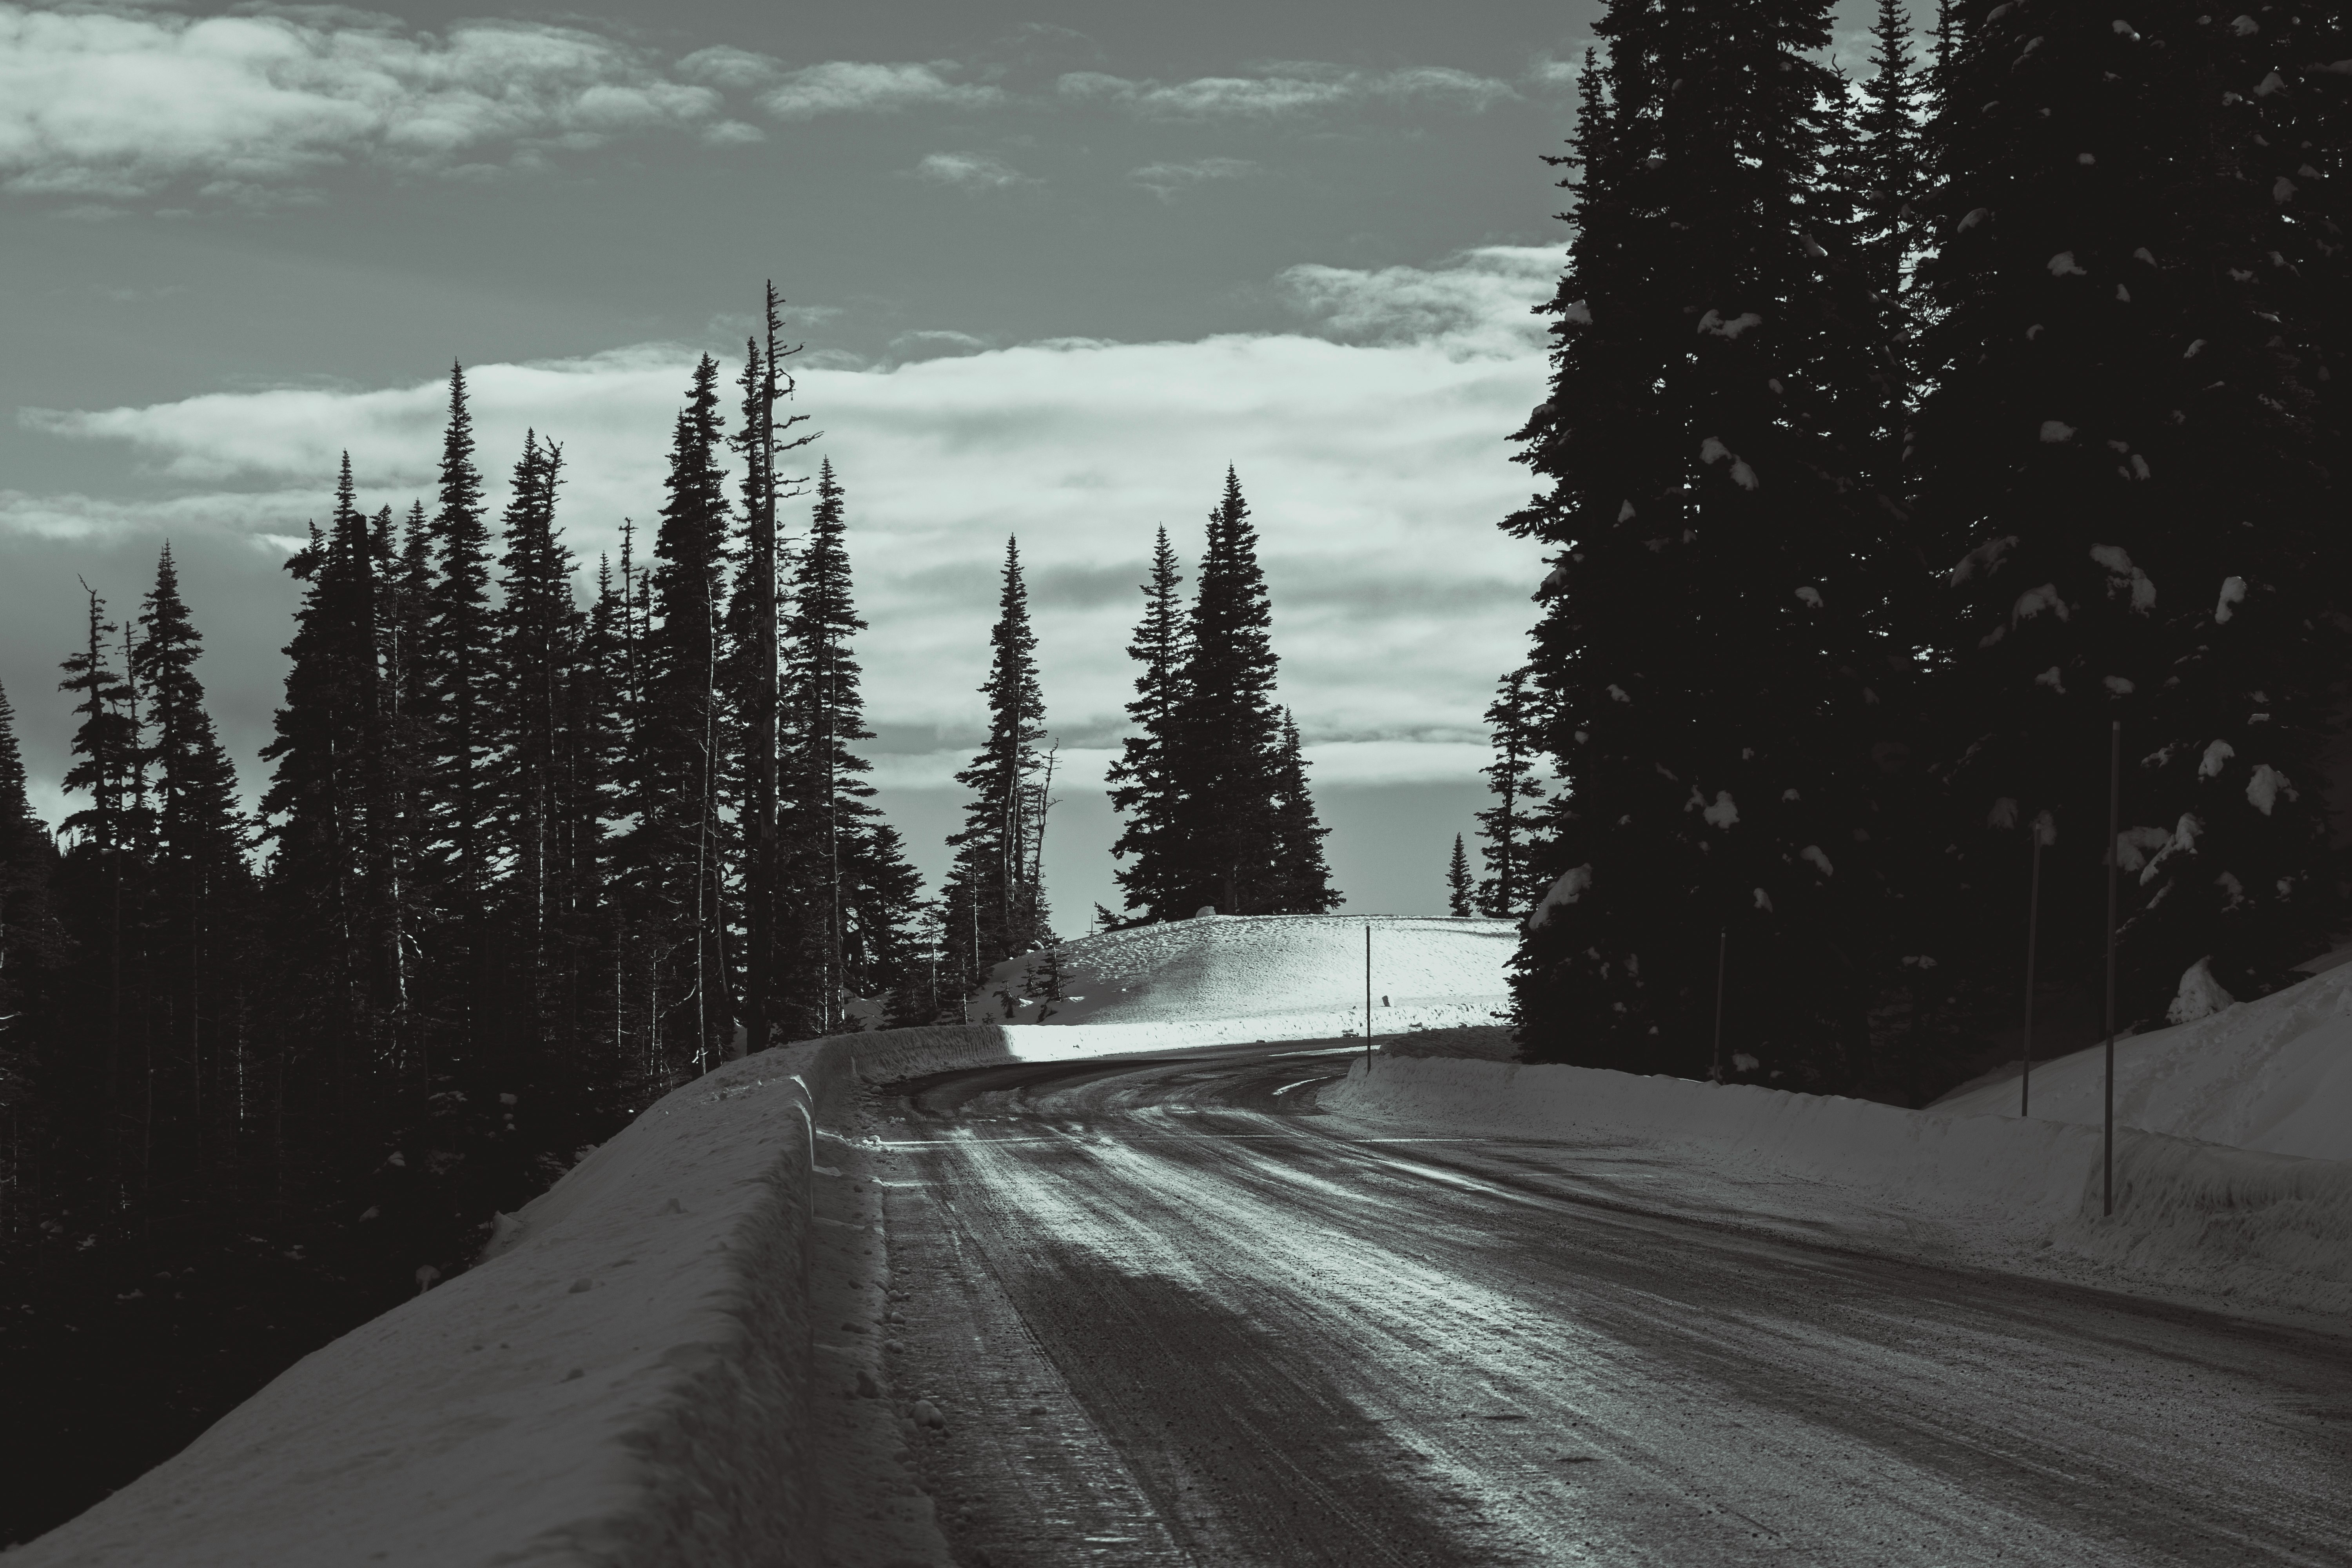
{"x": 1173, "y": 1314}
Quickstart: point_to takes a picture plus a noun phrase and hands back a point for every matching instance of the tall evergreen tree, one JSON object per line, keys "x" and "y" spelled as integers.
{"x": 331, "y": 963}
{"x": 106, "y": 866}
{"x": 538, "y": 631}
{"x": 459, "y": 655}
{"x": 1708, "y": 656}
{"x": 1142, "y": 789}
{"x": 1226, "y": 736}
{"x": 836, "y": 838}
{"x": 199, "y": 944}
{"x": 1507, "y": 828}
{"x": 674, "y": 851}
{"x": 995, "y": 904}
{"x": 2124, "y": 451}
{"x": 773, "y": 959}
{"x": 1895, "y": 187}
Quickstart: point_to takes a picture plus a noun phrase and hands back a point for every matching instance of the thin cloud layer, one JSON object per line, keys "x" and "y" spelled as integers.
{"x": 1479, "y": 306}
{"x": 108, "y": 106}
{"x": 125, "y": 105}
{"x": 972, "y": 172}
{"x": 849, "y": 86}
{"x": 1283, "y": 89}
{"x": 1377, "y": 469}
{"x": 1167, "y": 181}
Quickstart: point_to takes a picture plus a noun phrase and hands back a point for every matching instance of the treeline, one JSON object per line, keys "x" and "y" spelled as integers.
{"x": 1901, "y": 441}
{"x": 508, "y": 868}
{"x": 522, "y": 865}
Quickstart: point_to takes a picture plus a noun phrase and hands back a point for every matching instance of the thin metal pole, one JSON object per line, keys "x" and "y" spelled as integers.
{"x": 2032, "y": 930}
{"x": 1722, "y": 954}
{"x": 1368, "y": 998}
{"x": 2114, "y": 828}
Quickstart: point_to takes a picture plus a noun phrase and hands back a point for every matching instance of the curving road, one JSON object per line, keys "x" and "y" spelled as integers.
{"x": 1173, "y": 1314}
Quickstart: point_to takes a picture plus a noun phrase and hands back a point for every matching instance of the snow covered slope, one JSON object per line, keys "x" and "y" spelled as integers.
{"x": 1268, "y": 977}
{"x": 642, "y": 1370}
{"x": 2274, "y": 1075}
{"x": 2218, "y": 1225}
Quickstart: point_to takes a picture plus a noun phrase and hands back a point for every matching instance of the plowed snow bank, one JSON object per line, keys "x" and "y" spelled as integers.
{"x": 626, "y": 1379}
{"x": 2192, "y": 1218}
{"x": 2274, "y": 1075}
{"x": 1272, "y": 977}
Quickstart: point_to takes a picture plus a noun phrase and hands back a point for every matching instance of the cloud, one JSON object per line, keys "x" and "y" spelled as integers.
{"x": 236, "y": 516}
{"x": 1479, "y": 303}
{"x": 121, "y": 105}
{"x": 1165, "y": 180}
{"x": 849, "y": 86}
{"x": 972, "y": 172}
{"x": 1285, "y": 87}
{"x": 723, "y": 66}
{"x": 931, "y": 343}
{"x": 1554, "y": 75}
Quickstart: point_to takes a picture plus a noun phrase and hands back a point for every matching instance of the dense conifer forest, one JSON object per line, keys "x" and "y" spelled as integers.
{"x": 1910, "y": 443}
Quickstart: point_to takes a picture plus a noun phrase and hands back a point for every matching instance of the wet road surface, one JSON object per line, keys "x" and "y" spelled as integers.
{"x": 1173, "y": 1314}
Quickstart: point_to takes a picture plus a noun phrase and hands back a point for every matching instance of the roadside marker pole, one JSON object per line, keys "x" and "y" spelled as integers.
{"x": 2033, "y": 919}
{"x": 1368, "y": 998}
{"x": 1722, "y": 953}
{"x": 2114, "y": 828}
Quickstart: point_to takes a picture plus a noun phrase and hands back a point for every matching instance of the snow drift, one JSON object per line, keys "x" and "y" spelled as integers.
{"x": 1268, "y": 977}
{"x": 2247, "y": 1227}
{"x": 625, "y": 1379}
{"x": 2274, "y": 1075}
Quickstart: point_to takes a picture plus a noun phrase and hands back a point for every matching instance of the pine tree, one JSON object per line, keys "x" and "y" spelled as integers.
{"x": 1301, "y": 884}
{"x": 1895, "y": 181}
{"x": 203, "y": 889}
{"x": 323, "y": 882}
{"x": 1507, "y": 828}
{"x": 538, "y": 629}
{"x": 995, "y": 906}
{"x": 594, "y": 737}
{"x": 404, "y": 632}
{"x": 674, "y": 851}
{"x": 828, "y": 715}
{"x": 1458, "y": 881}
{"x": 1142, "y": 789}
{"x": 107, "y": 864}
{"x": 2125, "y": 451}
{"x": 1225, "y": 739}
{"x": 1709, "y": 656}
{"x": 459, "y": 659}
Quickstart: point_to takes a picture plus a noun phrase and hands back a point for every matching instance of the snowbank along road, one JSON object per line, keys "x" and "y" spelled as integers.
{"x": 1168, "y": 1311}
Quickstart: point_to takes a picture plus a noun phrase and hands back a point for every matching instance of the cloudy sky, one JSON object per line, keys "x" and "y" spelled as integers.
{"x": 1056, "y": 266}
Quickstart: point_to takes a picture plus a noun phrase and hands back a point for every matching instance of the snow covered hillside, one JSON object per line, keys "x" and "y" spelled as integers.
{"x": 2274, "y": 1075}
{"x": 1268, "y": 977}
{"x": 2224, "y": 1226}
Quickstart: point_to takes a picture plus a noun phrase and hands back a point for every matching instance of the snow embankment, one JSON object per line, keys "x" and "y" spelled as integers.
{"x": 631, "y": 1376}
{"x": 2274, "y": 1075}
{"x": 1262, "y": 977}
{"x": 2193, "y": 1219}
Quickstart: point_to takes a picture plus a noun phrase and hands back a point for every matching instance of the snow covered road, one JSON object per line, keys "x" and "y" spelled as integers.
{"x": 1171, "y": 1313}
